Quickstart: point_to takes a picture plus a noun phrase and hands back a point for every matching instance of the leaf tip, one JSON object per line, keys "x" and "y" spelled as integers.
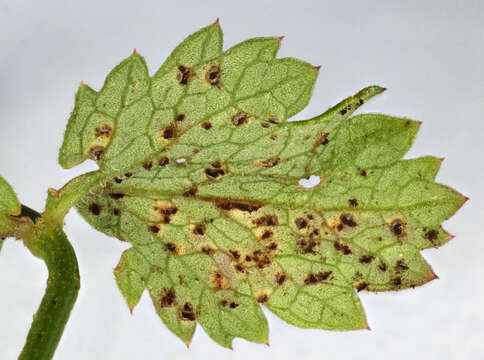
{"x": 131, "y": 308}
{"x": 267, "y": 343}
{"x": 280, "y": 37}
{"x": 216, "y": 22}
{"x": 419, "y": 123}
{"x": 368, "y": 327}
{"x": 134, "y": 52}
{"x": 230, "y": 347}
{"x": 434, "y": 276}
{"x": 187, "y": 344}
{"x": 317, "y": 67}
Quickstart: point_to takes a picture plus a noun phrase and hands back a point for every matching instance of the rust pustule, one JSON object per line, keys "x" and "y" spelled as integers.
{"x": 348, "y": 220}
{"x": 398, "y": 228}
{"x": 187, "y": 312}
{"x": 266, "y": 220}
{"x": 167, "y": 297}
{"x": 239, "y": 118}
{"x": 95, "y": 209}
{"x": 96, "y": 152}
{"x": 314, "y": 278}
{"x": 213, "y": 75}
{"x": 345, "y": 249}
{"x": 301, "y": 223}
{"x": 237, "y": 205}
{"x": 116, "y": 196}
{"x": 280, "y": 278}
{"x": 268, "y": 163}
{"x": 104, "y": 131}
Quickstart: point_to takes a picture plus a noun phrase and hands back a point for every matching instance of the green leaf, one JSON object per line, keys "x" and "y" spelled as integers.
{"x": 9, "y": 205}
{"x": 203, "y": 175}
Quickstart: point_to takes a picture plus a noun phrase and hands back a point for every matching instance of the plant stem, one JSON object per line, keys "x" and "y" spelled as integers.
{"x": 49, "y": 243}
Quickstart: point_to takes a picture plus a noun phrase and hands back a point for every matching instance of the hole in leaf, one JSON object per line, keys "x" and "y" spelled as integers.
{"x": 181, "y": 160}
{"x": 310, "y": 182}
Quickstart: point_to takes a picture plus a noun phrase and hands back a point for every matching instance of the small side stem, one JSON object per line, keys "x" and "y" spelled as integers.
{"x": 49, "y": 243}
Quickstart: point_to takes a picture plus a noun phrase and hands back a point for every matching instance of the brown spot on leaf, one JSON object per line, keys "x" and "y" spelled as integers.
{"x": 183, "y": 75}
{"x": 383, "y": 267}
{"x": 272, "y": 246}
{"x": 397, "y": 281}
{"x": 314, "y": 278}
{"x": 236, "y": 205}
{"x": 267, "y": 234}
{"x": 169, "y": 132}
{"x": 167, "y": 297}
{"x": 273, "y": 120}
{"x": 266, "y": 220}
{"x": 268, "y": 163}
{"x": 348, "y": 220}
{"x": 233, "y": 305}
{"x": 366, "y": 259}
{"x": 148, "y": 165}
{"x": 343, "y": 248}
{"x": 214, "y": 173}
{"x": 208, "y": 250}
{"x": 261, "y": 259}
{"x": 116, "y": 196}
{"x": 163, "y": 161}
{"x": 213, "y": 75}
{"x": 301, "y": 223}
{"x": 307, "y": 246}
{"x": 432, "y": 235}
{"x": 190, "y": 192}
{"x": 128, "y": 174}
{"x": 187, "y": 312}
{"x": 401, "y": 266}
{"x": 280, "y": 278}
{"x": 398, "y": 228}
{"x": 361, "y": 286}
{"x": 104, "y": 131}
{"x": 180, "y": 117}
{"x": 95, "y": 209}
{"x": 154, "y": 229}
{"x": 207, "y": 125}
{"x": 235, "y": 254}
{"x": 239, "y": 268}
{"x": 239, "y": 118}
{"x": 224, "y": 302}
{"x": 96, "y": 152}
{"x": 353, "y": 202}
{"x": 199, "y": 229}
{"x": 116, "y": 212}
{"x": 219, "y": 281}
{"x": 265, "y": 125}
{"x": 363, "y": 173}
{"x": 262, "y": 298}
{"x": 173, "y": 248}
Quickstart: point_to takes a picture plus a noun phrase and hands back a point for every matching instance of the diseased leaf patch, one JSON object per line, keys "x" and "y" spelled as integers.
{"x": 203, "y": 174}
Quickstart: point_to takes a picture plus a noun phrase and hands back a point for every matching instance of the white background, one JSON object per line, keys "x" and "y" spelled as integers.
{"x": 430, "y": 56}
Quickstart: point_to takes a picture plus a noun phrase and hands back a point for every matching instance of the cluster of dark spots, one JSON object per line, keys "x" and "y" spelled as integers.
{"x": 219, "y": 281}
{"x": 273, "y": 120}
{"x": 239, "y": 118}
{"x": 267, "y": 234}
{"x": 265, "y": 125}
{"x": 360, "y": 102}
{"x": 398, "y": 228}
{"x": 345, "y": 249}
{"x": 345, "y": 109}
{"x": 401, "y": 266}
{"x": 397, "y": 281}
{"x": 118, "y": 180}
{"x": 248, "y": 258}
{"x": 116, "y": 212}
{"x": 262, "y": 298}
{"x": 163, "y": 161}
{"x": 235, "y": 254}
{"x": 183, "y": 75}
{"x": 171, "y": 247}
{"x": 268, "y": 163}
{"x": 348, "y": 220}
{"x": 266, "y": 220}
{"x": 167, "y": 297}
{"x": 96, "y": 152}
{"x": 310, "y": 216}
{"x": 128, "y": 175}
{"x": 180, "y": 117}
{"x": 301, "y": 223}
{"x": 208, "y": 250}
{"x": 169, "y": 132}
{"x": 236, "y": 205}
{"x": 187, "y": 312}
{"x": 363, "y": 173}
{"x": 199, "y": 229}
{"x": 281, "y": 278}
{"x": 104, "y": 131}
{"x": 361, "y": 286}
{"x": 272, "y": 246}
{"x": 216, "y": 164}
{"x": 95, "y": 209}
{"x": 190, "y": 192}
{"x": 307, "y": 246}
{"x": 314, "y": 278}
{"x": 196, "y": 150}
{"x": 273, "y": 137}
{"x": 357, "y": 276}
{"x": 166, "y": 213}
{"x": 383, "y": 267}
{"x": 261, "y": 259}
{"x": 213, "y": 75}
{"x": 432, "y": 235}
{"x": 148, "y": 165}
{"x": 207, "y": 125}
{"x": 214, "y": 173}
{"x": 155, "y": 229}
{"x": 366, "y": 259}
{"x": 116, "y": 196}
{"x": 353, "y": 202}
{"x": 233, "y": 305}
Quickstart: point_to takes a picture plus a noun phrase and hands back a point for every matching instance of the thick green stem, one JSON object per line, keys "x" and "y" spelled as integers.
{"x": 50, "y": 244}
